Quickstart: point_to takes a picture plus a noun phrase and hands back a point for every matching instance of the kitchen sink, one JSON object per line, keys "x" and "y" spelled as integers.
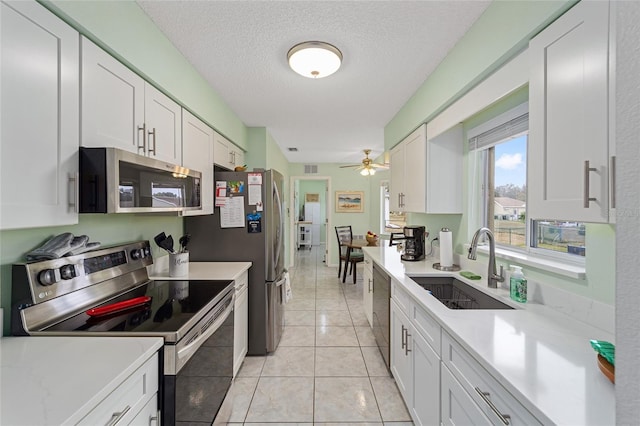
{"x": 454, "y": 294}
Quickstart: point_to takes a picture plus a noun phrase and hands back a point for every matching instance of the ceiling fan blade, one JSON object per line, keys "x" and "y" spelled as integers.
{"x": 379, "y": 166}
{"x": 351, "y": 165}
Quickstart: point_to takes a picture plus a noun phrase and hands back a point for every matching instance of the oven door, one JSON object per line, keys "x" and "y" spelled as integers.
{"x": 199, "y": 368}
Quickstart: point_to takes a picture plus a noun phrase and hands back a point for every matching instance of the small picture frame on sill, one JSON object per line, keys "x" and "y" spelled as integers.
{"x": 349, "y": 201}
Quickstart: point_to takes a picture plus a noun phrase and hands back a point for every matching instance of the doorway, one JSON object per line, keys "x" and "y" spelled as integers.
{"x": 310, "y": 218}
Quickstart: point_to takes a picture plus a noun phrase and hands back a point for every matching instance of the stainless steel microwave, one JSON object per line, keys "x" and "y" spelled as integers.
{"x": 117, "y": 181}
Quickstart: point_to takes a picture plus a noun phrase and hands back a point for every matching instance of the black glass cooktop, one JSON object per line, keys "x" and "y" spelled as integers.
{"x": 173, "y": 304}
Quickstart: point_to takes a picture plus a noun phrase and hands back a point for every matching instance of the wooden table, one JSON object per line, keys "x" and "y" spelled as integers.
{"x": 350, "y": 245}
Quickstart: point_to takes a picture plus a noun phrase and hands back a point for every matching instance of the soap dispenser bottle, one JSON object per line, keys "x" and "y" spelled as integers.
{"x": 518, "y": 284}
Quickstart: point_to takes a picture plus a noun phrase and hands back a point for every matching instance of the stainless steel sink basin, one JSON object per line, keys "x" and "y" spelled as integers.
{"x": 455, "y": 294}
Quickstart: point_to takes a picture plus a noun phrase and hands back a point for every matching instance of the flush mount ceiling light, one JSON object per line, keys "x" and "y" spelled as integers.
{"x": 314, "y": 59}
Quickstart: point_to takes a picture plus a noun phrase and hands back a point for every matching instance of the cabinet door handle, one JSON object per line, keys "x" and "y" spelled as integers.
{"x": 404, "y": 330}
{"x": 485, "y": 396}
{"x": 587, "y": 170}
{"x": 612, "y": 171}
{"x": 370, "y": 280}
{"x": 144, "y": 138}
{"x": 153, "y": 132}
{"x": 406, "y": 345}
{"x": 116, "y": 417}
{"x": 74, "y": 181}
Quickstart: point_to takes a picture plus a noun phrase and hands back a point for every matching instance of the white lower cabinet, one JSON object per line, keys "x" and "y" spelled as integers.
{"x": 483, "y": 391}
{"x": 367, "y": 291}
{"x": 129, "y": 399}
{"x": 457, "y": 407}
{"x": 415, "y": 366}
{"x": 241, "y": 322}
{"x": 149, "y": 415}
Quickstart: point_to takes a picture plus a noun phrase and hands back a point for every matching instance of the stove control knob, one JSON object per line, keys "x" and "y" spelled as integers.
{"x": 137, "y": 254}
{"x": 48, "y": 277}
{"x": 67, "y": 272}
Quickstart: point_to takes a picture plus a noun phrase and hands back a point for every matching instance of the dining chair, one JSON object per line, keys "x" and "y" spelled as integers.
{"x": 345, "y": 235}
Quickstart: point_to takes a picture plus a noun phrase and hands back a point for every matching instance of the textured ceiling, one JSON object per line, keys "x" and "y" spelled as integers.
{"x": 389, "y": 49}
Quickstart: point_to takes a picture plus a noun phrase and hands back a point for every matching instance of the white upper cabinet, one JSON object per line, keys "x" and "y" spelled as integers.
{"x": 121, "y": 110}
{"x": 226, "y": 154}
{"x": 40, "y": 114}
{"x": 163, "y": 119}
{"x": 569, "y": 163}
{"x": 112, "y": 102}
{"x": 426, "y": 175}
{"x": 408, "y": 162}
{"x": 444, "y": 171}
{"x": 197, "y": 154}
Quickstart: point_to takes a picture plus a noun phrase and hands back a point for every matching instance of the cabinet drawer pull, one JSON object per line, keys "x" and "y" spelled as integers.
{"x": 153, "y": 133}
{"x": 612, "y": 171}
{"x": 117, "y": 416}
{"x": 155, "y": 419}
{"x": 587, "y": 170}
{"x": 143, "y": 147}
{"x": 485, "y": 395}
{"x": 406, "y": 346}
{"x": 74, "y": 181}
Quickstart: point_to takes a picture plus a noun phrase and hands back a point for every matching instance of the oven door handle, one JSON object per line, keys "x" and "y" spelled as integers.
{"x": 188, "y": 350}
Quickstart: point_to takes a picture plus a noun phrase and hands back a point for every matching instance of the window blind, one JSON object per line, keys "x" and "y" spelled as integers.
{"x": 513, "y": 127}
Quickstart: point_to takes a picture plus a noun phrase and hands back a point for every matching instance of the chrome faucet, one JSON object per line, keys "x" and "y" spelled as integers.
{"x": 493, "y": 277}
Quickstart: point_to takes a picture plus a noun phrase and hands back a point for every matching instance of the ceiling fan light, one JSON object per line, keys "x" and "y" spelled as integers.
{"x": 367, "y": 171}
{"x": 314, "y": 59}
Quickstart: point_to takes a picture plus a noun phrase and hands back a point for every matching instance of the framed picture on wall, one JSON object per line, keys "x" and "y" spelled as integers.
{"x": 349, "y": 201}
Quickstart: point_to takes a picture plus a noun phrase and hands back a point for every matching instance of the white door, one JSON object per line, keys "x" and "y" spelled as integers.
{"x": 163, "y": 118}
{"x": 112, "y": 102}
{"x": 197, "y": 154}
{"x": 40, "y": 117}
{"x": 568, "y": 117}
{"x": 396, "y": 188}
{"x": 415, "y": 165}
{"x": 400, "y": 355}
{"x": 221, "y": 154}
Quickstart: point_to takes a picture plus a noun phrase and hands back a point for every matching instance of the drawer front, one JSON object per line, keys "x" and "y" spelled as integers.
{"x": 427, "y": 326}
{"x": 128, "y": 398}
{"x": 476, "y": 380}
{"x": 401, "y": 297}
{"x": 149, "y": 415}
{"x": 457, "y": 407}
{"x": 368, "y": 264}
{"x": 242, "y": 281}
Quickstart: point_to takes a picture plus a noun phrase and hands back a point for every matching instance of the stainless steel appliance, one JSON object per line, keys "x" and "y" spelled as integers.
{"x": 381, "y": 307}
{"x": 117, "y": 181}
{"x": 259, "y": 240}
{"x": 108, "y": 293}
{"x": 414, "y": 239}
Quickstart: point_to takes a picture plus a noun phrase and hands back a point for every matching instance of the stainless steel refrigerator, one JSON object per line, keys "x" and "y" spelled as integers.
{"x": 260, "y": 239}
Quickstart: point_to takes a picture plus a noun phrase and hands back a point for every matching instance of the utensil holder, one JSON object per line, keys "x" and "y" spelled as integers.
{"x": 179, "y": 264}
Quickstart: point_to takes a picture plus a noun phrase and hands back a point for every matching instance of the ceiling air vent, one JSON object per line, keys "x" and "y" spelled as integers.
{"x": 310, "y": 169}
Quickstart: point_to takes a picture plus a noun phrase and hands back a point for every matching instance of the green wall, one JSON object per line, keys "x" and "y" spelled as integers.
{"x": 124, "y": 30}
{"x": 502, "y": 30}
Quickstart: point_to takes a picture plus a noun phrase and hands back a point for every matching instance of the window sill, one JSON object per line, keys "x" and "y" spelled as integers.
{"x": 565, "y": 269}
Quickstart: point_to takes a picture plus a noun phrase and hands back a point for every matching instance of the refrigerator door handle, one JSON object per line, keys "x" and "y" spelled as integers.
{"x": 280, "y": 228}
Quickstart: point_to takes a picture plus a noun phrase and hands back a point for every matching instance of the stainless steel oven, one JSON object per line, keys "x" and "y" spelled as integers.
{"x": 108, "y": 293}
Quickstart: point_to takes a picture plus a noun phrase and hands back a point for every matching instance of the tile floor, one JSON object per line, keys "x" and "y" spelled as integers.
{"x": 327, "y": 369}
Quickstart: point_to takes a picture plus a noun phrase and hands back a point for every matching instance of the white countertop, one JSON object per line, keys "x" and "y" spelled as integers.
{"x": 542, "y": 357}
{"x": 58, "y": 380}
{"x": 199, "y": 270}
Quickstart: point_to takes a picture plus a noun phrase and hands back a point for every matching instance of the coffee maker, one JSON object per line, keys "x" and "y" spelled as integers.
{"x": 414, "y": 237}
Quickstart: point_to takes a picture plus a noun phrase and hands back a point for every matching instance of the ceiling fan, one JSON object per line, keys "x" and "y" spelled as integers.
{"x": 367, "y": 167}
